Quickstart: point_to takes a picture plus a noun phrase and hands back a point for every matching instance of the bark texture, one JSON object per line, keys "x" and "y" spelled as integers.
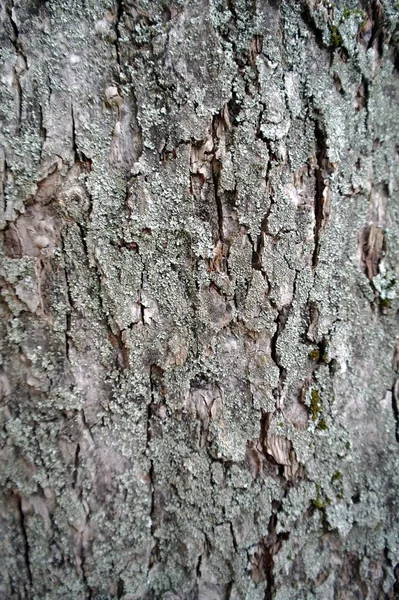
{"x": 200, "y": 252}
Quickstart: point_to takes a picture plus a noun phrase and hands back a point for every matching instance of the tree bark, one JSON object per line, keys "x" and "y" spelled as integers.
{"x": 200, "y": 251}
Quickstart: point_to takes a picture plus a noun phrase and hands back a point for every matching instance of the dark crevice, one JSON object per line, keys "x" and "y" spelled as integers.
{"x": 257, "y": 262}
{"x": 122, "y": 352}
{"x": 142, "y": 308}
{"x": 229, "y": 589}
{"x": 281, "y": 321}
{"x": 232, "y": 9}
{"x": 42, "y": 129}
{"x": 216, "y": 168}
{"x": 198, "y": 567}
{"x": 377, "y": 32}
{"x": 269, "y": 558}
{"x": 308, "y": 19}
{"x": 234, "y": 106}
{"x": 195, "y": 295}
{"x": 70, "y": 303}
{"x": 321, "y": 172}
{"x": 270, "y": 546}
{"x": 76, "y": 467}
{"x": 335, "y": 43}
{"x": 165, "y": 154}
{"x": 80, "y": 158}
{"x": 119, "y": 15}
{"x": 14, "y": 26}
{"x": 338, "y": 84}
{"x": 82, "y": 554}
{"x": 74, "y": 146}
{"x": 89, "y": 591}
{"x": 18, "y": 48}
{"x": 156, "y": 385}
{"x": 82, "y": 232}
{"x": 395, "y": 407}
{"x": 396, "y": 584}
{"x": 24, "y": 533}
{"x": 257, "y": 251}
{"x": 68, "y": 319}
{"x": 366, "y": 93}
{"x": 120, "y": 589}
{"x": 395, "y": 52}
{"x": 233, "y": 537}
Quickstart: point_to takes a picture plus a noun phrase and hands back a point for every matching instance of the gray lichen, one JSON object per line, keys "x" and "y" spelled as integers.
{"x": 200, "y": 248}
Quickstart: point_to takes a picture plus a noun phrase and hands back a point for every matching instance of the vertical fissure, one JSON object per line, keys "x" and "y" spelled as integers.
{"x": 395, "y": 407}
{"x": 119, "y": 13}
{"x": 42, "y": 130}
{"x": 216, "y": 167}
{"x": 73, "y": 134}
{"x": 142, "y": 281}
{"x": 219, "y": 206}
{"x": 69, "y": 308}
{"x": 321, "y": 195}
{"x": 150, "y": 406}
{"x": 26, "y": 549}
{"x": 76, "y": 467}
{"x": 15, "y": 41}
{"x": 269, "y": 558}
{"x": 281, "y": 321}
{"x": 271, "y": 545}
{"x": 89, "y": 591}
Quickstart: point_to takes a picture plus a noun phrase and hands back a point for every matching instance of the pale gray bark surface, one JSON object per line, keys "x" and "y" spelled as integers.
{"x": 200, "y": 252}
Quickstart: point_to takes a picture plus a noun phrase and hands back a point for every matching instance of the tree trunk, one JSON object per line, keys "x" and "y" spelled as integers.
{"x": 200, "y": 252}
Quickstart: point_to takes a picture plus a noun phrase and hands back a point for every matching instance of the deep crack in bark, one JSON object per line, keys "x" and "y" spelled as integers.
{"x": 24, "y": 533}
{"x": 395, "y": 407}
{"x": 321, "y": 197}
{"x": 18, "y": 48}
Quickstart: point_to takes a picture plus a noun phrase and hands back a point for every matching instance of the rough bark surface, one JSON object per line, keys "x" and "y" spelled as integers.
{"x": 200, "y": 251}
